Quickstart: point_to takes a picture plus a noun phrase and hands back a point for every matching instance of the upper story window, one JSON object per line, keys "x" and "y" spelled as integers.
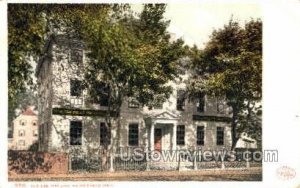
{"x": 220, "y": 135}
{"x": 157, "y": 102}
{"x": 200, "y": 135}
{"x": 76, "y": 101}
{"x": 105, "y": 134}
{"x": 76, "y": 88}
{"x": 158, "y": 106}
{"x": 133, "y": 134}
{"x": 133, "y": 103}
{"x": 23, "y": 122}
{"x": 180, "y": 102}
{"x": 201, "y": 102}
{"x": 220, "y": 106}
{"x": 34, "y": 123}
{"x": 21, "y": 132}
{"x": 76, "y": 55}
{"x": 75, "y": 133}
{"x": 35, "y": 133}
{"x": 180, "y": 135}
{"x": 101, "y": 93}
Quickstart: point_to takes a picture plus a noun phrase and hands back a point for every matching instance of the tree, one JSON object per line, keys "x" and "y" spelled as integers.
{"x": 132, "y": 56}
{"x": 128, "y": 56}
{"x": 230, "y": 65}
{"x": 29, "y": 26}
{"x": 25, "y": 43}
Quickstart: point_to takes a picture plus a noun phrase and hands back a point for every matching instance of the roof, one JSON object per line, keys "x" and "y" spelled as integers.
{"x": 163, "y": 115}
{"x": 28, "y": 112}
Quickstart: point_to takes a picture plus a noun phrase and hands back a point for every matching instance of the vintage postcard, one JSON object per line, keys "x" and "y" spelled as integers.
{"x": 113, "y": 94}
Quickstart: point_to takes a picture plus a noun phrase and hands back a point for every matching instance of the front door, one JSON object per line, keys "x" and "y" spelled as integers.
{"x": 157, "y": 139}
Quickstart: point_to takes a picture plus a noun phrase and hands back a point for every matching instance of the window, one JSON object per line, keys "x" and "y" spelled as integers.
{"x": 76, "y": 55}
{"x": 158, "y": 105}
{"x": 220, "y": 106}
{"x": 34, "y": 123}
{"x": 220, "y": 135}
{"x": 101, "y": 90}
{"x": 75, "y": 133}
{"x": 133, "y": 135}
{"x": 201, "y": 102}
{"x": 23, "y": 122}
{"x": 21, "y": 132}
{"x": 35, "y": 133}
{"x": 157, "y": 102}
{"x": 133, "y": 103}
{"x": 76, "y": 88}
{"x": 76, "y": 101}
{"x": 21, "y": 143}
{"x": 105, "y": 134}
{"x": 180, "y": 100}
{"x": 200, "y": 135}
{"x": 180, "y": 135}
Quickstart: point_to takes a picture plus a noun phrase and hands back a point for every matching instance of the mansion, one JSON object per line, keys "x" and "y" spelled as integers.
{"x": 68, "y": 121}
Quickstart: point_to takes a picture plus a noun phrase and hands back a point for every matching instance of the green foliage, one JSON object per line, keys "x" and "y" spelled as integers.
{"x": 24, "y": 99}
{"x": 28, "y": 27}
{"x": 34, "y": 147}
{"x": 152, "y": 26}
{"x": 131, "y": 57}
{"x": 25, "y": 40}
{"x": 231, "y": 65}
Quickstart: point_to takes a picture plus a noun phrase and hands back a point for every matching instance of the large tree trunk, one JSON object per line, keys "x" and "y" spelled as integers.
{"x": 106, "y": 150}
{"x": 234, "y": 138}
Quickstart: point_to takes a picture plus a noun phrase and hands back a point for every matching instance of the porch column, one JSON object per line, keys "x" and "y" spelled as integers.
{"x": 174, "y": 137}
{"x": 152, "y": 137}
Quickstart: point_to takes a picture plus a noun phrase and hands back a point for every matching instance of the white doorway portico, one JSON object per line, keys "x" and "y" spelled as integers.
{"x": 161, "y": 129}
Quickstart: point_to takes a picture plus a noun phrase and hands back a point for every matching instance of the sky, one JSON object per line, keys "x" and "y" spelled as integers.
{"x": 194, "y": 22}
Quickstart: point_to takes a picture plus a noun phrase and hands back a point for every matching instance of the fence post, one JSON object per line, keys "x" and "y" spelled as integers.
{"x": 147, "y": 161}
{"x": 247, "y": 160}
{"x": 179, "y": 162}
{"x": 222, "y": 159}
{"x": 222, "y": 164}
{"x": 111, "y": 167}
{"x": 195, "y": 161}
{"x": 247, "y": 163}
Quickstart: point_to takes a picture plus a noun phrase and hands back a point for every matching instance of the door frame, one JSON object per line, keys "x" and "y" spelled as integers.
{"x": 161, "y": 138}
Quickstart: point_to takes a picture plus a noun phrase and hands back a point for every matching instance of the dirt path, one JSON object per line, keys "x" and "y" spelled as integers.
{"x": 253, "y": 174}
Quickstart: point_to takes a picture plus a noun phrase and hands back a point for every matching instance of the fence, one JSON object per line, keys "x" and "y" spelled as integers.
{"x": 103, "y": 161}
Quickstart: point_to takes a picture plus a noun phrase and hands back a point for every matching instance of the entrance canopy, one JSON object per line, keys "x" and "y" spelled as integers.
{"x": 165, "y": 117}
{"x": 165, "y": 123}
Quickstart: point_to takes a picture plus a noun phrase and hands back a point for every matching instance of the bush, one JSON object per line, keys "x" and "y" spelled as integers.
{"x": 34, "y": 147}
